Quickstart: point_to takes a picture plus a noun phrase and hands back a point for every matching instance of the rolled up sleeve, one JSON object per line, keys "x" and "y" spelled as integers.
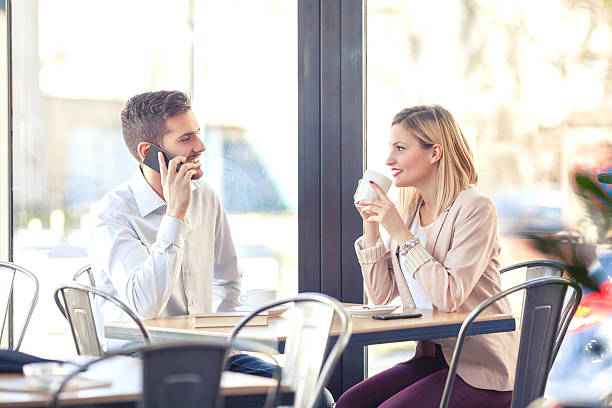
{"x": 143, "y": 277}
{"x": 377, "y": 271}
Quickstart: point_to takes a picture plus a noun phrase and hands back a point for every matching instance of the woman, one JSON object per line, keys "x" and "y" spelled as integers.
{"x": 442, "y": 253}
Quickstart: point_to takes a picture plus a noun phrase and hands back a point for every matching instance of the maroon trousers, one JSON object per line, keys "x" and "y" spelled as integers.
{"x": 419, "y": 383}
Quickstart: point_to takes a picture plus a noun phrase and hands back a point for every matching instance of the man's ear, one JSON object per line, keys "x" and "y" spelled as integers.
{"x": 143, "y": 148}
{"x": 436, "y": 153}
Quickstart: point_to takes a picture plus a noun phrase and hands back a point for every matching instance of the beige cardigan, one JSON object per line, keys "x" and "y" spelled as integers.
{"x": 457, "y": 269}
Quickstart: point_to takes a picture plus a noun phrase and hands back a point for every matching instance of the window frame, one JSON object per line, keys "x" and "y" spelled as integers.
{"x": 6, "y": 169}
{"x": 6, "y": 160}
{"x": 331, "y": 158}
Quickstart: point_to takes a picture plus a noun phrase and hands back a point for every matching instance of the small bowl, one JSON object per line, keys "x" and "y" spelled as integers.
{"x": 48, "y": 375}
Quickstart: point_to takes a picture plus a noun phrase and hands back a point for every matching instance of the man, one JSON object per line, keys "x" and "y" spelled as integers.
{"x": 161, "y": 241}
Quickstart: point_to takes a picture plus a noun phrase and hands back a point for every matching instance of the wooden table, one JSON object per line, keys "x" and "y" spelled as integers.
{"x": 366, "y": 331}
{"x": 239, "y": 390}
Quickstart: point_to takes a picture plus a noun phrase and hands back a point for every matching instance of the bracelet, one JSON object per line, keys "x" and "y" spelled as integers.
{"x": 406, "y": 247}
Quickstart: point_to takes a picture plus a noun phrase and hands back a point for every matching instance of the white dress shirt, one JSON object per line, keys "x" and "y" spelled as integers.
{"x": 159, "y": 265}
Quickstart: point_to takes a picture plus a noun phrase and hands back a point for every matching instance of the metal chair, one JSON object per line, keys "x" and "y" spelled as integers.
{"x": 543, "y": 326}
{"x": 306, "y": 343}
{"x": 75, "y": 305}
{"x": 7, "y": 331}
{"x": 183, "y": 375}
{"x": 85, "y": 270}
{"x": 538, "y": 268}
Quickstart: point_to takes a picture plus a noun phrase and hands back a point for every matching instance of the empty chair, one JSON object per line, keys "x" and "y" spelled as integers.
{"x": 310, "y": 324}
{"x": 538, "y": 268}
{"x": 74, "y": 301}
{"x": 528, "y": 270}
{"x": 11, "y": 335}
{"x": 183, "y": 375}
{"x": 543, "y": 326}
{"x": 87, "y": 272}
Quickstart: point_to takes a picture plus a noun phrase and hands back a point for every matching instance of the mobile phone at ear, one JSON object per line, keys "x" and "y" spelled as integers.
{"x": 397, "y": 316}
{"x": 152, "y": 161}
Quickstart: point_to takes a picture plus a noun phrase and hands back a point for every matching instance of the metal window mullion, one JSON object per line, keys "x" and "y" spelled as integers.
{"x": 6, "y": 169}
{"x": 331, "y": 159}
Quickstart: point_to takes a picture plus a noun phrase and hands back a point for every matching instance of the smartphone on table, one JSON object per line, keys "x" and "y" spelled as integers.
{"x": 152, "y": 161}
{"x": 397, "y": 316}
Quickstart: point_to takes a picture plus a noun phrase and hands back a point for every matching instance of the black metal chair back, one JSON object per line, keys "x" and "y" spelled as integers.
{"x": 543, "y": 325}
{"x": 539, "y": 268}
{"x": 183, "y": 375}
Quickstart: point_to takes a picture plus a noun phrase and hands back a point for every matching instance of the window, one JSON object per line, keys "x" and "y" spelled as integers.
{"x": 71, "y": 80}
{"x": 529, "y": 84}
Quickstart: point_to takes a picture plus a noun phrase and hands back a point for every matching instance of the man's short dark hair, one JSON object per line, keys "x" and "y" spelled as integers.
{"x": 144, "y": 117}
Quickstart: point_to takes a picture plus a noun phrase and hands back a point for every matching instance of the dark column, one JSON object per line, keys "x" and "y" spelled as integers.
{"x": 331, "y": 157}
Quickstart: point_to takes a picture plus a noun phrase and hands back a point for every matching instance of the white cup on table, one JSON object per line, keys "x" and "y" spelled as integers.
{"x": 366, "y": 191}
{"x": 256, "y": 298}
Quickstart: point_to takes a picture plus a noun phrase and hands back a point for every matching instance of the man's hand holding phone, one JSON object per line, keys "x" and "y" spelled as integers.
{"x": 176, "y": 186}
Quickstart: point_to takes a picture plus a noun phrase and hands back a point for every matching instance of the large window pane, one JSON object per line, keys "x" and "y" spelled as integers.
{"x": 530, "y": 85}
{"x": 75, "y": 64}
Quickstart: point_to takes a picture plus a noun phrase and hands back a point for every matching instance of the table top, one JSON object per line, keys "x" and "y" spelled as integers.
{"x": 366, "y": 331}
{"x": 125, "y": 374}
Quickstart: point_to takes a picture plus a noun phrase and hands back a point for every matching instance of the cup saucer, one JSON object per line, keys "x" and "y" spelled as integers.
{"x": 370, "y": 310}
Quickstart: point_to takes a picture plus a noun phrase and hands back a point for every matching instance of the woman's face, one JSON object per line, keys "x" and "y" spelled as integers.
{"x": 411, "y": 165}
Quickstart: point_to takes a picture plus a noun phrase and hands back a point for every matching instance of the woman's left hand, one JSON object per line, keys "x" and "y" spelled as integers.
{"x": 385, "y": 214}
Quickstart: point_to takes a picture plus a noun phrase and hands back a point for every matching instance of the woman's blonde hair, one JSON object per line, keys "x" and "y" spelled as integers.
{"x": 435, "y": 125}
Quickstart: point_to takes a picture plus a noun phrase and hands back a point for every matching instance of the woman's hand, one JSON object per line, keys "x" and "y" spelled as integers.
{"x": 371, "y": 230}
{"x": 383, "y": 212}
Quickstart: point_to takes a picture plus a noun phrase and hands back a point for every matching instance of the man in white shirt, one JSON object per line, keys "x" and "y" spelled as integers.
{"x": 161, "y": 241}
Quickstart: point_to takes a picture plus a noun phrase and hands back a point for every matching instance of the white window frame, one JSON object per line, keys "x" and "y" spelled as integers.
{"x": 5, "y": 156}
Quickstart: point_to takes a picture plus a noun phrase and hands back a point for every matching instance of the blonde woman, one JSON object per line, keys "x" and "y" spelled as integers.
{"x": 442, "y": 253}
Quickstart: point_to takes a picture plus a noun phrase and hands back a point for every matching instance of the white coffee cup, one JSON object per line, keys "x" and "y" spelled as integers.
{"x": 366, "y": 191}
{"x": 256, "y": 298}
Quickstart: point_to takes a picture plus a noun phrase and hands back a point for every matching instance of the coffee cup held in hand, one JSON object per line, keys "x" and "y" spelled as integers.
{"x": 366, "y": 191}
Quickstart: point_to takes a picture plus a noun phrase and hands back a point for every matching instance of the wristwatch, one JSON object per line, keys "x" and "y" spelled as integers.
{"x": 408, "y": 245}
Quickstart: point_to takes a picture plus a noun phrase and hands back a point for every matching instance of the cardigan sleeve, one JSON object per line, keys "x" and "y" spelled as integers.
{"x": 377, "y": 270}
{"x": 447, "y": 284}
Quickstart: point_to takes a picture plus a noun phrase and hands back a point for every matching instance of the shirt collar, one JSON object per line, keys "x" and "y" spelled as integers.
{"x": 146, "y": 198}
